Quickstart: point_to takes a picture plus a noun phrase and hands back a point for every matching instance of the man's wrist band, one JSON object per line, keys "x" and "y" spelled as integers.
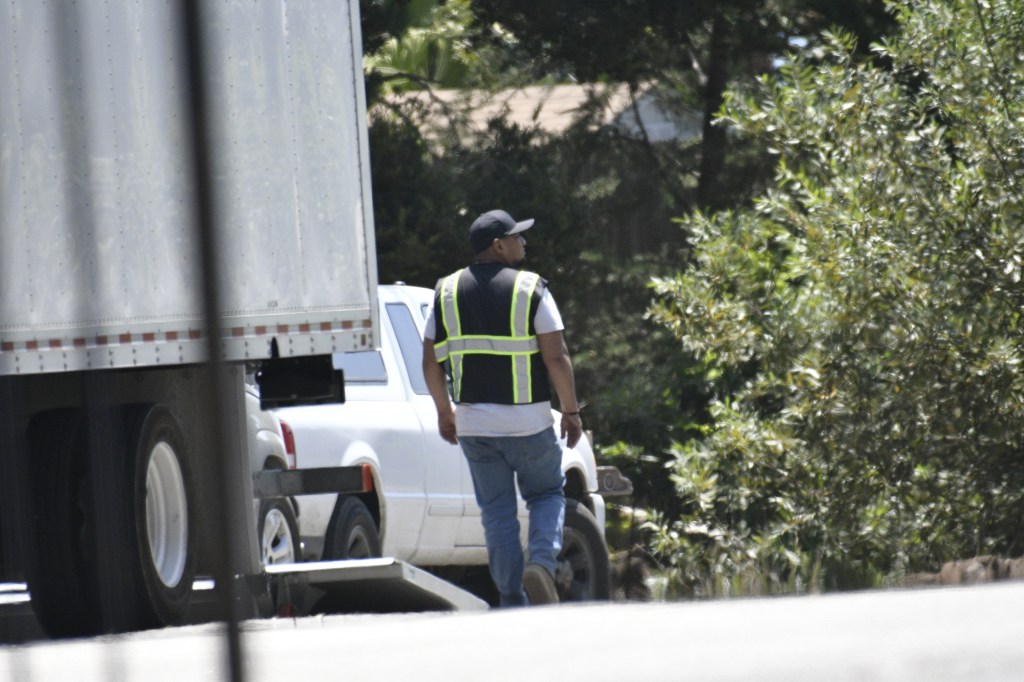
{"x": 571, "y": 414}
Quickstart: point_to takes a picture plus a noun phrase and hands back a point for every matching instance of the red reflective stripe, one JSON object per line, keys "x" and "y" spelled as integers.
{"x": 127, "y": 338}
{"x": 367, "y": 478}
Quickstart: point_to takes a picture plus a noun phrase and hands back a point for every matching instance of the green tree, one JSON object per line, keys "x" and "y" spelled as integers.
{"x": 383, "y": 20}
{"x": 604, "y": 201}
{"x": 862, "y": 324}
{"x": 701, "y": 46}
{"x": 433, "y": 51}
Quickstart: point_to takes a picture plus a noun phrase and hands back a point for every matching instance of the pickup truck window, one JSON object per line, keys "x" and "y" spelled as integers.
{"x": 410, "y": 345}
{"x": 362, "y": 367}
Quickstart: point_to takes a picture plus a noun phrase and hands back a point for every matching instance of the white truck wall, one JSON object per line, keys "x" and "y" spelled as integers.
{"x": 97, "y": 245}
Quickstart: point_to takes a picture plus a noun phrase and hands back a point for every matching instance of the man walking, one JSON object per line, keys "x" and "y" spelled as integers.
{"x": 500, "y": 331}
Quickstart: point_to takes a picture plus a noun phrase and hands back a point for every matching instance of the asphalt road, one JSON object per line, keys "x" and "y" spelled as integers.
{"x": 966, "y": 633}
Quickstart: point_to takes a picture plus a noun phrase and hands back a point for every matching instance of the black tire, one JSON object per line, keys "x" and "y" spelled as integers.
{"x": 161, "y": 544}
{"x": 278, "y": 533}
{"x": 113, "y": 549}
{"x": 61, "y": 571}
{"x": 584, "y": 568}
{"x": 352, "y": 532}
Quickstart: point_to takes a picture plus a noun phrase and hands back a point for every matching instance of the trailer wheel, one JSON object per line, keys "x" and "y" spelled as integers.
{"x": 161, "y": 540}
{"x": 112, "y": 553}
{"x": 279, "y": 532}
{"x": 352, "y": 532}
{"x": 584, "y": 568}
{"x": 60, "y": 573}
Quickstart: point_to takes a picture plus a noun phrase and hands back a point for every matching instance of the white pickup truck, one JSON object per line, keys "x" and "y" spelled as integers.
{"x": 271, "y": 448}
{"x": 422, "y": 508}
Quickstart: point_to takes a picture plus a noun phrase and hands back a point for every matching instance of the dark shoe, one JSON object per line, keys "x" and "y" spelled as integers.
{"x": 539, "y": 585}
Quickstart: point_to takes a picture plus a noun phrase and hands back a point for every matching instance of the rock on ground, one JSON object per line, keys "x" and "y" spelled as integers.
{"x": 980, "y": 569}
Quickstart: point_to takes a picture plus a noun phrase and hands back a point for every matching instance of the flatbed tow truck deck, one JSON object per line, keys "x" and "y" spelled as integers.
{"x": 382, "y": 585}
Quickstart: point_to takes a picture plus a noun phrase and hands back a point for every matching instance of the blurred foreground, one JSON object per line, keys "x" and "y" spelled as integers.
{"x": 963, "y": 633}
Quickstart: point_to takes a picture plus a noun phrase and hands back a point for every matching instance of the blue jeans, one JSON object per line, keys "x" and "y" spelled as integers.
{"x": 536, "y": 461}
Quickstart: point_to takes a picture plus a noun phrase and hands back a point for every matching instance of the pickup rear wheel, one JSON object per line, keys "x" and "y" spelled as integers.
{"x": 279, "y": 532}
{"x": 584, "y": 568}
{"x": 352, "y": 532}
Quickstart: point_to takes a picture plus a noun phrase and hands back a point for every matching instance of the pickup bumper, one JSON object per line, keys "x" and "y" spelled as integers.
{"x": 611, "y": 482}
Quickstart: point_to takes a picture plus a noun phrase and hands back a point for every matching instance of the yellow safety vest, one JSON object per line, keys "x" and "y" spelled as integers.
{"x": 520, "y": 347}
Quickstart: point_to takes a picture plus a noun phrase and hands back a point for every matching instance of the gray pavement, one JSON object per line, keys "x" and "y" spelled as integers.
{"x": 966, "y": 633}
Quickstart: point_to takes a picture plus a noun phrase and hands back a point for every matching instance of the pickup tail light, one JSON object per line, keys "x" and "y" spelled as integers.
{"x": 367, "y": 478}
{"x": 289, "y": 444}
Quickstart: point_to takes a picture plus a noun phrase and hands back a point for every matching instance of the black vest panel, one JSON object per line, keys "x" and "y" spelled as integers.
{"x": 485, "y": 306}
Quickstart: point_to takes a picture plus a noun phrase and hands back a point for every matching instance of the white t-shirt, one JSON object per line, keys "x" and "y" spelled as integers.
{"x": 494, "y": 419}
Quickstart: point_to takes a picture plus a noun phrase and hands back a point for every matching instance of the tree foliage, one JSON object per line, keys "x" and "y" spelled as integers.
{"x": 604, "y": 200}
{"x": 700, "y": 47}
{"x": 861, "y": 325}
{"x": 435, "y": 50}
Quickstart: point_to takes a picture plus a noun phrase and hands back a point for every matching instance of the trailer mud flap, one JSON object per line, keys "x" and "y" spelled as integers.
{"x": 299, "y": 380}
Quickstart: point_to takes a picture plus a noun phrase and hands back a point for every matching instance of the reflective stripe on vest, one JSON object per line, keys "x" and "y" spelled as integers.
{"x": 520, "y": 347}
{"x": 453, "y": 327}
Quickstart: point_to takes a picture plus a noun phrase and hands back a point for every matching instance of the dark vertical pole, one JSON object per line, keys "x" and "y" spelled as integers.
{"x": 216, "y": 378}
{"x": 713, "y": 142}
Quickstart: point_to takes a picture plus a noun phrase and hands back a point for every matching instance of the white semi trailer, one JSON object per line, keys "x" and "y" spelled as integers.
{"x": 120, "y": 429}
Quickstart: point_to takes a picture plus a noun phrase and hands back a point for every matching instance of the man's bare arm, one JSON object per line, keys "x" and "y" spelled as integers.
{"x": 559, "y": 365}
{"x": 438, "y": 387}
